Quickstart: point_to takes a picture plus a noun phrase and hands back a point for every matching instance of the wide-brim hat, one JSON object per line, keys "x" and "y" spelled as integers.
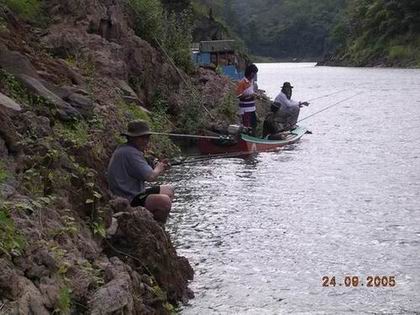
{"x": 287, "y": 84}
{"x": 137, "y": 128}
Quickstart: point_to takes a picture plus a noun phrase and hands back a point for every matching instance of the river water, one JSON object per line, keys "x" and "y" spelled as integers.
{"x": 345, "y": 201}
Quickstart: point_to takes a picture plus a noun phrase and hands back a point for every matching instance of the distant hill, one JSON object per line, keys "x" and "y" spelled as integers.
{"x": 283, "y": 29}
{"x": 378, "y": 32}
{"x": 340, "y": 32}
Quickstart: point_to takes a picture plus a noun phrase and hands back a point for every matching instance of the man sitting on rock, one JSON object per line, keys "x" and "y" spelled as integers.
{"x": 128, "y": 171}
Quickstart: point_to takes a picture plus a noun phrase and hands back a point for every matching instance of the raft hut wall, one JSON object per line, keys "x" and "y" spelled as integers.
{"x": 219, "y": 54}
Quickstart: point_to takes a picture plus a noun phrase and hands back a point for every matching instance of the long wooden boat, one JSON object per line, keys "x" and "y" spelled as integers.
{"x": 247, "y": 144}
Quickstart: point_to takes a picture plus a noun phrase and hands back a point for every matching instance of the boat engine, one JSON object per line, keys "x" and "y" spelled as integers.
{"x": 235, "y": 130}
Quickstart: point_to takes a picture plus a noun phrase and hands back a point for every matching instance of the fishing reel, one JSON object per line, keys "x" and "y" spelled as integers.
{"x": 152, "y": 161}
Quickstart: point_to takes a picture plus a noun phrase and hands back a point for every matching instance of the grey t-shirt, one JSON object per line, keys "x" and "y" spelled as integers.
{"x": 127, "y": 171}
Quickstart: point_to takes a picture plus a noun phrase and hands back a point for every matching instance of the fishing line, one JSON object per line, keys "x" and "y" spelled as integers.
{"x": 328, "y": 107}
{"x": 317, "y": 98}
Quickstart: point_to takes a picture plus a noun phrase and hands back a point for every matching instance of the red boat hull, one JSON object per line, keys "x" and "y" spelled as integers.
{"x": 249, "y": 145}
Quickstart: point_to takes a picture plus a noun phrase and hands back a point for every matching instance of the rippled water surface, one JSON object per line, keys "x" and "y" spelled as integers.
{"x": 262, "y": 232}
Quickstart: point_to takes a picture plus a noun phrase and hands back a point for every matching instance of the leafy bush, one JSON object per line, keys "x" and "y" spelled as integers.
{"x": 191, "y": 117}
{"x": 3, "y": 173}
{"x": 64, "y": 301}
{"x": 76, "y": 132}
{"x": 30, "y": 10}
{"x": 149, "y": 18}
{"x": 11, "y": 242}
{"x": 178, "y": 39}
{"x": 228, "y": 108}
{"x": 399, "y": 52}
{"x": 171, "y": 31}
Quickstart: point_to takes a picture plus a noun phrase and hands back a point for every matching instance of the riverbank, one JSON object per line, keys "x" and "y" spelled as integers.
{"x": 67, "y": 89}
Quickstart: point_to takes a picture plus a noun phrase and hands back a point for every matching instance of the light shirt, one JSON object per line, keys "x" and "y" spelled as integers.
{"x": 286, "y": 105}
{"x": 127, "y": 171}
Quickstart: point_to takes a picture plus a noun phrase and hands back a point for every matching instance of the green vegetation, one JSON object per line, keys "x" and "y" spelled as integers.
{"x": 149, "y": 18}
{"x": 64, "y": 301}
{"x": 31, "y": 11}
{"x": 4, "y": 174}
{"x": 69, "y": 225}
{"x": 3, "y": 24}
{"x": 158, "y": 120}
{"x": 96, "y": 274}
{"x": 379, "y": 32}
{"x": 228, "y": 109}
{"x": 76, "y": 132}
{"x": 27, "y": 9}
{"x": 169, "y": 30}
{"x": 280, "y": 29}
{"x": 355, "y": 32}
{"x": 11, "y": 241}
{"x": 191, "y": 116}
{"x": 13, "y": 88}
{"x": 178, "y": 39}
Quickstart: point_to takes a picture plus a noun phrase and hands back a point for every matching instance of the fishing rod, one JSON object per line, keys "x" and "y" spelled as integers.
{"x": 201, "y": 158}
{"x": 205, "y": 157}
{"x": 330, "y": 106}
{"x": 181, "y": 135}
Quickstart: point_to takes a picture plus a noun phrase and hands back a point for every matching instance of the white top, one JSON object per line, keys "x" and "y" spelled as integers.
{"x": 286, "y": 104}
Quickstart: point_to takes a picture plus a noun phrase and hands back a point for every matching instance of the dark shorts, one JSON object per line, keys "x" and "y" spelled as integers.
{"x": 249, "y": 119}
{"x": 140, "y": 199}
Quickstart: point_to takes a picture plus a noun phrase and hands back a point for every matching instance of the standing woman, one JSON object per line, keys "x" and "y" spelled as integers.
{"x": 246, "y": 95}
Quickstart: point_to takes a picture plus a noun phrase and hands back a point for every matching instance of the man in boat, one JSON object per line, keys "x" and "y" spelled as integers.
{"x": 128, "y": 170}
{"x": 246, "y": 95}
{"x": 288, "y": 112}
{"x": 272, "y": 128}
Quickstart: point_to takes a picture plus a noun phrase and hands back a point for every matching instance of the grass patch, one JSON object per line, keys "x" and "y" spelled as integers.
{"x": 191, "y": 117}
{"x": 29, "y": 10}
{"x": 64, "y": 301}
{"x": 4, "y": 174}
{"x": 76, "y": 132}
{"x": 400, "y": 52}
{"x": 228, "y": 108}
{"x": 160, "y": 28}
{"x": 13, "y": 88}
{"x": 11, "y": 242}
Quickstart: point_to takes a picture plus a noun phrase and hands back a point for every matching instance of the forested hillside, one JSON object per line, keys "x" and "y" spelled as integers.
{"x": 378, "y": 32}
{"x": 282, "y": 29}
{"x": 343, "y": 32}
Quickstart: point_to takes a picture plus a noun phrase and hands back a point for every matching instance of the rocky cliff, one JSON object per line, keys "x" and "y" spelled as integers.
{"x": 69, "y": 83}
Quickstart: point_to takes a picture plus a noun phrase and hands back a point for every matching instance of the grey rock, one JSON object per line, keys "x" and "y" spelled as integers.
{"x": 126, "y": 89}
{"x": 6, "y": 191}
{"x": 4, "y": 152}
{"x": 65, "y": 110}
{"x": 82, "y": 103}
{"x": 38, "y": 125}
{"x": 16, "y": 63}
{"x": 50, "y": 291}
{"x": 9, "y": 103}
{"x": 115, "y": 296}
{"x": 63, "y": 91}
{"x": 22, "y": 290}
